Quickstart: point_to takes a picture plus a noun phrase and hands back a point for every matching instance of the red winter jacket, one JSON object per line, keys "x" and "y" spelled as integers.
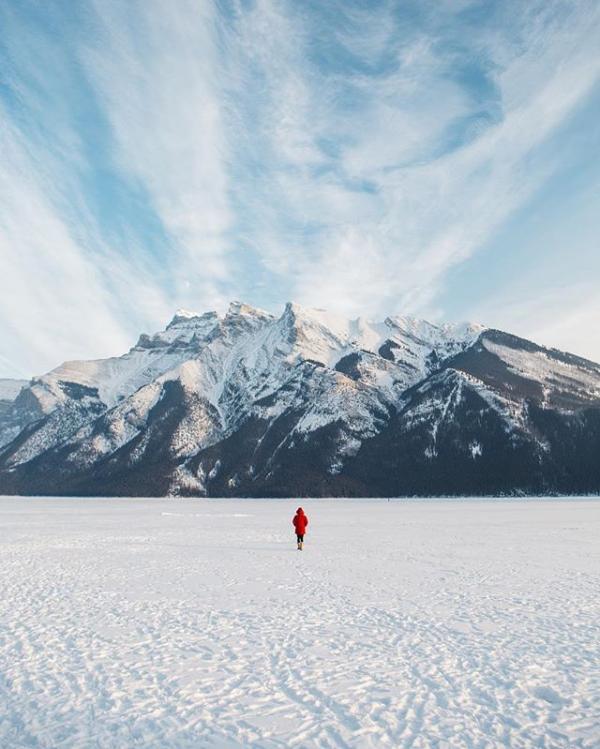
{"x": 300, "y": 522}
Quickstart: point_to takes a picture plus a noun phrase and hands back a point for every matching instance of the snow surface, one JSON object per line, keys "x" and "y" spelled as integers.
{"x": 195, "y": 623}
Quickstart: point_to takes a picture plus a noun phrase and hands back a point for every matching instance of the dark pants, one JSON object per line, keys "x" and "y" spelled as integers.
{"x": 299, "y": 538}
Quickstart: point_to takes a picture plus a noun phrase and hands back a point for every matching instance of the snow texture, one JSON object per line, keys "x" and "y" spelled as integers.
{"x": 196, "y": 623}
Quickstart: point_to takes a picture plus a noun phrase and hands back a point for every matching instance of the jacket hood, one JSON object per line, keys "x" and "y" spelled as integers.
{"x": 299, "y": 511}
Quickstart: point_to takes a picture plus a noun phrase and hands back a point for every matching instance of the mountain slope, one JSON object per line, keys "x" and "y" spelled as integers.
{"x": 308, "y": 403}
{"x": 504, "y": 416}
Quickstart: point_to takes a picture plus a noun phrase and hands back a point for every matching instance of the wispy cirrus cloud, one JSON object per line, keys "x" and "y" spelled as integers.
{"x": 405, "y": 168}
{"x": 50, "y": 294}
{"x": 113, "y": 199}
{"x": 347, "y": 154}
{"x": 155, "y": 70}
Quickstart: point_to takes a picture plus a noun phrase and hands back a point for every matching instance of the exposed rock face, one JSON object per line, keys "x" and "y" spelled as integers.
{"x": 307, "y": 404}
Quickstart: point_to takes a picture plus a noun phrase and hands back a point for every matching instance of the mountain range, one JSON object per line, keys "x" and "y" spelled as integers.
{"x": 307, "y": 403}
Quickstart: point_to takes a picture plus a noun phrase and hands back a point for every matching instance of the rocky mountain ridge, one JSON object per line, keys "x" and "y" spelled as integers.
{"x": 308, "y": 403}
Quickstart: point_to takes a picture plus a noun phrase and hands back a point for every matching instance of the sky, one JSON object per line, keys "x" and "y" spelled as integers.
{"x": 434, "y": 158}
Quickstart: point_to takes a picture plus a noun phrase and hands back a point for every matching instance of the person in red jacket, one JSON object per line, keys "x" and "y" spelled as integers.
{"x": 300, "y": 522}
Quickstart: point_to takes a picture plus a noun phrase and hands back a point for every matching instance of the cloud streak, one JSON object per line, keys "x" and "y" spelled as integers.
{"x": 155, "y": 70}
{"x": 44, "y": 270}
{"x": 345, "y": 155}
{"x": 428, "y": 214}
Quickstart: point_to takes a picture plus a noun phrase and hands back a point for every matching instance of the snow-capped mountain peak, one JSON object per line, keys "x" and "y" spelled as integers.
{"x": 237, "y": 308}
{"x": 183, "y": 318}
{"x": 252, "y": 402}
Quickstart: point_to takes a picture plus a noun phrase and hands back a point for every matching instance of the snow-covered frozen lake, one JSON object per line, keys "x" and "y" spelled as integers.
{"x": 184, "y": 623}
